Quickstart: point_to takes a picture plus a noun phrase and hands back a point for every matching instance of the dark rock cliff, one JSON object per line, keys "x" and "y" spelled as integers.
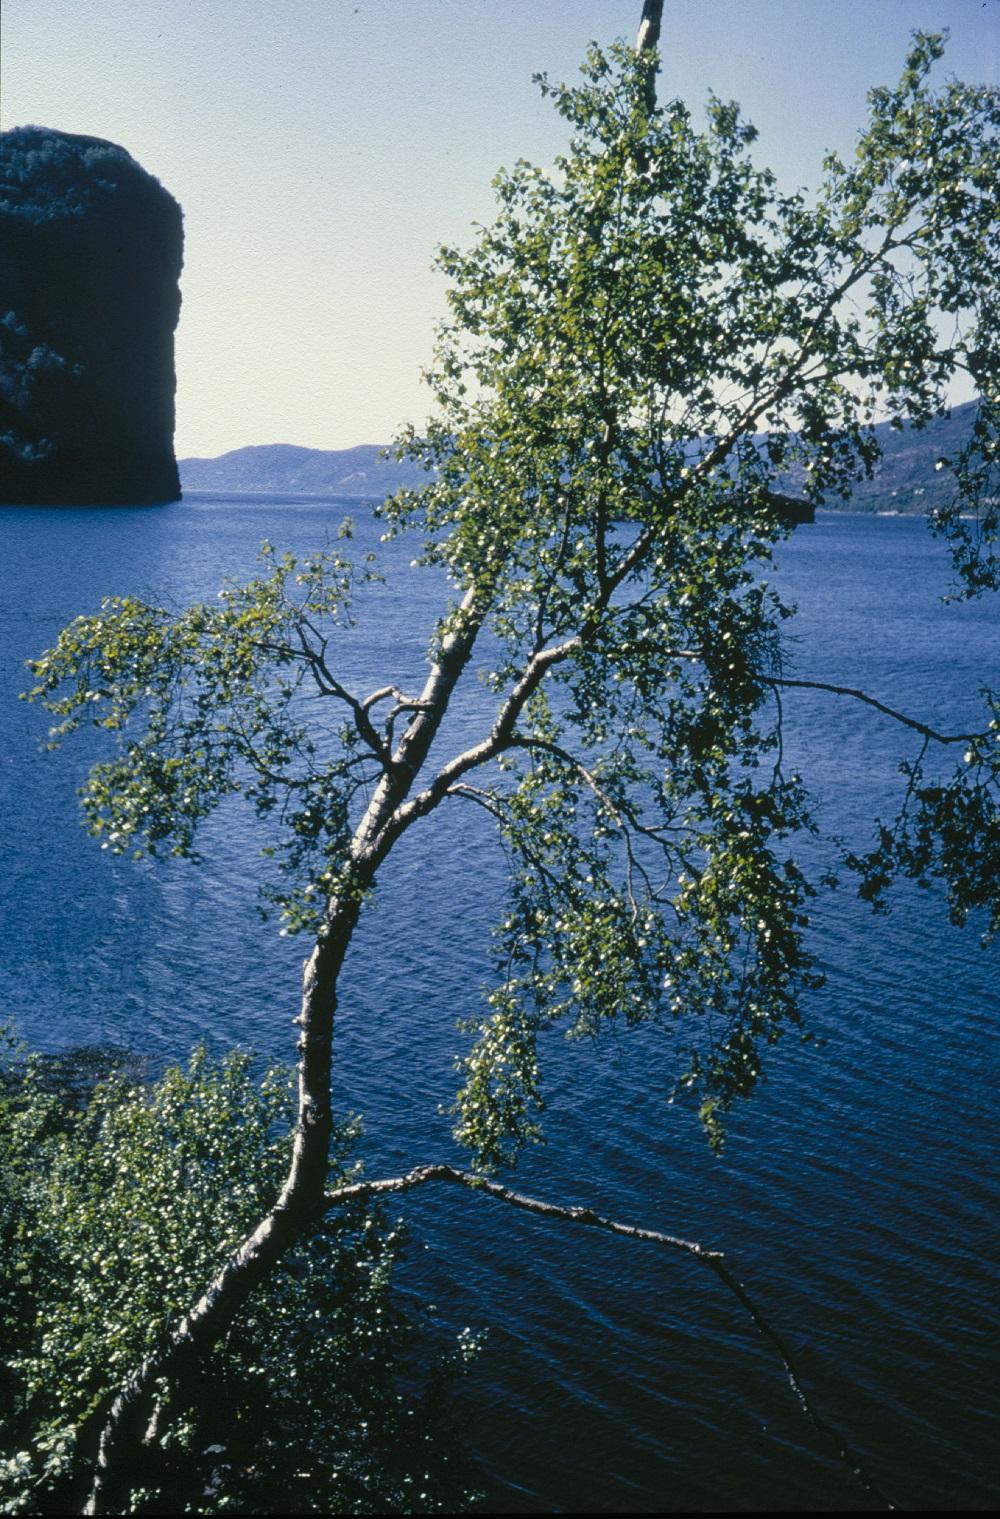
{"x": 91, "y": 255}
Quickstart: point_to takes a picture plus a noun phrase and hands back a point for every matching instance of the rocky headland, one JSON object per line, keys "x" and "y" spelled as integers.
{"x": 89, "y": 301}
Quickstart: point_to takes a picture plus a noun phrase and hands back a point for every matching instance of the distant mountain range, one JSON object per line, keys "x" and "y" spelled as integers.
{"x": 906, "y": 480}
{"x": 280, "y": 468}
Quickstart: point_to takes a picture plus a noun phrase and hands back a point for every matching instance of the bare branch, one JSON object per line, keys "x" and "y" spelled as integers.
{"x": 622, "y": 818}
{"x": 490, "y": 804}
{"x": 482, "y": 799}
{"x": 422, "y": 1174}
{"x": 325, "y": 677}
{"x": 589, "y": 1218}
{"x": 777, "y": 681}
{"x": 498, "y": 738}
{"x": 404, "y": 702}
{"x": 871, "y": 701}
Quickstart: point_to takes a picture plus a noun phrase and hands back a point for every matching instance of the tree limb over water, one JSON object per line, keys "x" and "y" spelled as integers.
{"x": 587, "y": 1217}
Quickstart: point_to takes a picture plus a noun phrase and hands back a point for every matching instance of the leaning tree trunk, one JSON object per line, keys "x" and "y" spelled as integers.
{"x": 300, "y": 1202}
{"x": 302, "y": 1198}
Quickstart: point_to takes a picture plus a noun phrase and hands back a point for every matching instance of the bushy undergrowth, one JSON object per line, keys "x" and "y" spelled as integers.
{"x": 114, "y": 1211}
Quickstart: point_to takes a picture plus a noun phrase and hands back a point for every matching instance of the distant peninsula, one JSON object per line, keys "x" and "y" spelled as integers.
{"x": 89, "y": 301}
{"x": 905, "y": 480}
{"x": 283, "y": 468}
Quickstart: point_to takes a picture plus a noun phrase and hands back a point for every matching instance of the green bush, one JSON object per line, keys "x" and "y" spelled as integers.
{"x": 113, "y": 1213}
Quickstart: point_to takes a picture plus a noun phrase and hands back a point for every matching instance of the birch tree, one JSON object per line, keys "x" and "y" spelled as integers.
{"x": 645, "y": 342}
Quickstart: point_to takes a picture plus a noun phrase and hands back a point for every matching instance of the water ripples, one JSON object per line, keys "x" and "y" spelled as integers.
{"x": 858, "y": 1191}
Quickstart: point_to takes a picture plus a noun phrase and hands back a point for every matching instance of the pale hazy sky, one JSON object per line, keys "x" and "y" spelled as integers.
{"x": 320, "y": 150}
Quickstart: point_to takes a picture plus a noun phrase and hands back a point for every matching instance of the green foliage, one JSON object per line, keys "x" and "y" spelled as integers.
{"x": 210, "y": 704}
{"x": 641, "y": 344}
{"x": 948, "y": 830}
{"x": 640, "y": 347}
{"x": 112, "y": 1217}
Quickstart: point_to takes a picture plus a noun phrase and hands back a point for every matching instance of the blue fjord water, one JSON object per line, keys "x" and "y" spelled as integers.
{"x": 857, "y": 1194}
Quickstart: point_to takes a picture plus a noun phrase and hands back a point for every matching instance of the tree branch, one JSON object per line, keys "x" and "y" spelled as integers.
{"x": 777, "y": 681}
{"x": 646, "y": 42}
{"x": 589, "y": 1218}
{"x": 403, "y": 701}
{"x": 622, "y": 817}
{"x": 362, "y": 721}
{"x": 496, "y": 740}
{"x": 870, "y": 701}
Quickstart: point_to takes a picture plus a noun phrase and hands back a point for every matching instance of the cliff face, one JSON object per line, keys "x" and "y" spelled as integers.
{"x": 89, "y": 301}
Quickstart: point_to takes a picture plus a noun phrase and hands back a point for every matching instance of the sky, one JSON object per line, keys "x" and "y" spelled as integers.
{"x": 321, "y": 149}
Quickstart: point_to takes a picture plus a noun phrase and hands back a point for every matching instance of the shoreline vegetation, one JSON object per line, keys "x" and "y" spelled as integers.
{"x": 118, "y": 1187}
{"x": 83, "y": 1132}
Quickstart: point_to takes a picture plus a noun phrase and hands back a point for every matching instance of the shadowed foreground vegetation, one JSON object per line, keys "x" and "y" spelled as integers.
{"x": 113, "y": 1207}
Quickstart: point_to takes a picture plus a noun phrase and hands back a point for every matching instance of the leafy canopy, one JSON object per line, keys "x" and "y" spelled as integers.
{"x": 643, "y": 349}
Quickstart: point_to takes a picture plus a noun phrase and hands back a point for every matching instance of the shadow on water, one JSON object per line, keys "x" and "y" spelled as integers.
{"x": 71, "y": 1075}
